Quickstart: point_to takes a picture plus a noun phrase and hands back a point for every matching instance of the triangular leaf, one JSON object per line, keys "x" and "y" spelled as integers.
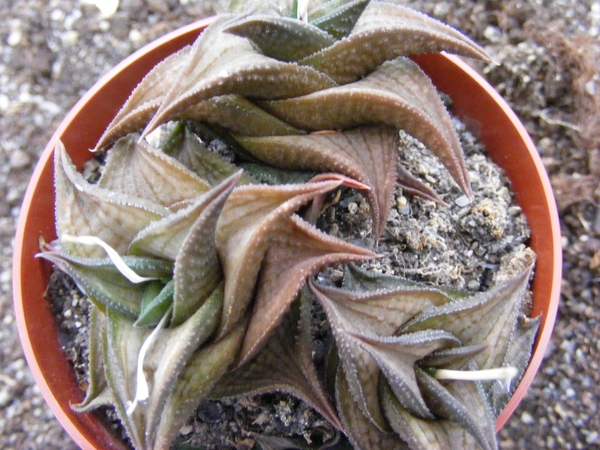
{"x": 221, "y": 63}
{"x": 397, "y": 94}
{"x": 367, "y": 154}
{"x": 145, "y": 99}
{"x": 384, "y": 32}
{"x": 296, "y": 251}
{"x": 284, "y": 364}
{"x": 197, "y": 266}
{"x": 78, "y": 201}
{"x": 135, "y": 168}
{"x": 487, "y": 318}
{"x": 397, "y": 356}
{"x": 337, "y": 17}
{"x": 239, "y": 115}
{"x": 170, "y": 356}
{"x": 363, "y": 434}
{"x": 249, "y": 220}
{"x": 97, "y": 393}
{"x": 463, "y": 403}
{"x": 205, "y": 368}
{"x": 281, "y": 38}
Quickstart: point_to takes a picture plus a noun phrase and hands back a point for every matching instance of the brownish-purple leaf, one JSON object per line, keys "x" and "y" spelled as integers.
{"x": 284, "y": 364}
{"x": 384, "y": 32}
{"x": 250, "y": 218}
{"x": 486, "y": 318}
{"x": 397, "y": 356}
{"x": 297, "y": 251}
{"x": 137, "y": 169}
{"x": 221, "y": 63}
{"x": 145, "y": 99}
{"x": 197, "y": 266}
{"x": 239, "y": 115}
{"x": 361, "y": 431}
{"x": 367, "y": 154}
{"x": 84, "y": 209}
{"x": 397, "y": 94}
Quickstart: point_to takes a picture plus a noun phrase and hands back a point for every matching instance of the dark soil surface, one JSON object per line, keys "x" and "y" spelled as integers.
{"x": 547, "y": 55}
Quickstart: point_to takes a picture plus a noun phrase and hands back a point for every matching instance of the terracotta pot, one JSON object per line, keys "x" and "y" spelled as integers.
{"x": 474, "y": 100}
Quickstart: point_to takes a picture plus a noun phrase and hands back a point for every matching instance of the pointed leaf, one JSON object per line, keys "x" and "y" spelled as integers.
{"x": 165, "y": 238}
{"x": 239, "y": 115}
{"x": 413, "y": 186}
{"x": 85, "y": 209}
{"x": 384, "y": 32}
{"x": 397, "y": 94}
{"x": 145, "y": 99}
{"x": 104, "y": 283}
{"x": 357, "y": 279}
{"x": 205, "y": 368}
{"x": 397, "y": 356}
{"x": 452, "y": 357}
{"x": 363, "y": 434}
{"x": 337, "y": 17}
{"x": 123, "y": 343}
{"x": 423, "y": 434}
{"x": 487, "y": 318}
{"x": 366, "y": 154}
{"x": 380, "y": 312}
{"x": 157, "y": 300}
{"x": 137, "y": 169}
{"x": 97, "y": 393}
{"x": 296, "y": 251}
{"x": 463, "y": 403}
{"x": 171, "y": 354}
{"x": 209, "y": 166}
{"x": 517, "y": 355}
{"x": 281, "y": 38}
{"x": 221, "y": 63}
{"x": 360, "y": 368}
{"x": 197, "y": 266}
{"x": 249, "y": 219}
{"x": 284, "y": 364}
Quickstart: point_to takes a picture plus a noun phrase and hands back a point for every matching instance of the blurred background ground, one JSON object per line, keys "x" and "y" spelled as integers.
{"x": 548, "y": 58}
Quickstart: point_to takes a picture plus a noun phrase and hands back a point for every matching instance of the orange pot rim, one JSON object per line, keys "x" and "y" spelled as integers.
{"x": 37, "y": 328}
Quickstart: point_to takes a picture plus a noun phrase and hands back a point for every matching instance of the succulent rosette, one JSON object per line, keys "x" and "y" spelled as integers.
{"x": 201, "y": 266}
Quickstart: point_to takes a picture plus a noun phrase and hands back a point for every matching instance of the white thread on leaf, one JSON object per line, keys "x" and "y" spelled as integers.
{"x": 142, "y": 391}
{"x": 112, "y": 254}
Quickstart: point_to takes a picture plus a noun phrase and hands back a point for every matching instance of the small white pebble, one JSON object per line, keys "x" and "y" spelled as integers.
{"x": 69, "y": 37}
{"x": 186, "y": 429}
{"x": 592, "y": 437}
{"x": 527, "y": 418}
{"x": 14, "y": 38}
{"x": 590, "y": 87}
{"x": 493, "y": 34}
{"x": 462, "y": 201}
{"x": 135, "y": 36}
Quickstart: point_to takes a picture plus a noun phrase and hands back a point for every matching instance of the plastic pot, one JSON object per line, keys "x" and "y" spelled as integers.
{"x": 475, "y": 101}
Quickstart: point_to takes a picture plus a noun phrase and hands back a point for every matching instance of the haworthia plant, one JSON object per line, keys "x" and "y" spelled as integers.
{"x": 202, "y": 264}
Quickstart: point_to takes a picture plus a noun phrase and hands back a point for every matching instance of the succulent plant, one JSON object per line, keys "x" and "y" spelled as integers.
{"x": 201, "y": 266}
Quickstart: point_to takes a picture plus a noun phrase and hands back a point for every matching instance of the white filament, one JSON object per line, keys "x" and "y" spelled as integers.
{"x": 500, "y": 373}
{"x": 303, "y": 10}
{"x": 142, "y": 391}
{"x": 112, "y": 254}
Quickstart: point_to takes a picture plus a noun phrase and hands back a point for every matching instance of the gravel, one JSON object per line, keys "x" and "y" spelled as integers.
{"x": 547, "y": 52}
